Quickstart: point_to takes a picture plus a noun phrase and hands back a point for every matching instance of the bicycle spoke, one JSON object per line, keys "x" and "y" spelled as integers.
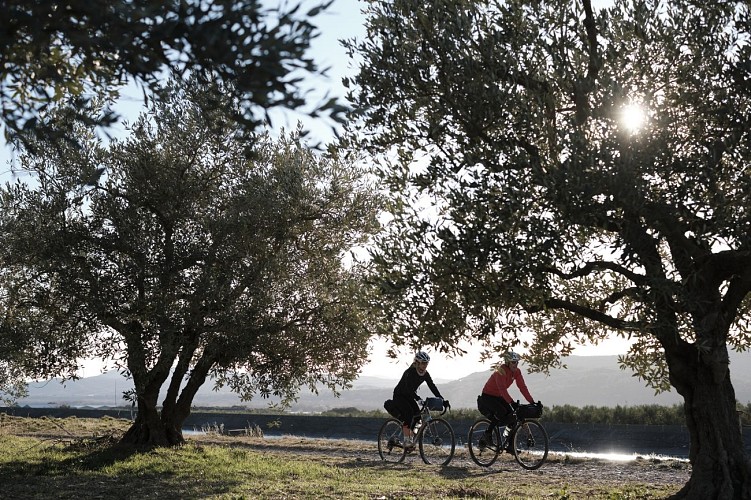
{"x": 531, "y": 443}
{"x": 437, "y": 442}
{"x": 390, "y": 441}
{"x": 483, "y": 442}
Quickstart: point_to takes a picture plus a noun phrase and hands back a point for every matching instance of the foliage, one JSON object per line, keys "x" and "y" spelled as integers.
{"x": 629, "y": 415}
{"x": 519, "y": 201}
{"x": 188, "y": 258}
{"x": 568, "y": 414}
{"x": 49, "y": 51}
{"x": 355, "y": 412}
{"x": 12, "y": 383}
{"x": 524, "y": 213}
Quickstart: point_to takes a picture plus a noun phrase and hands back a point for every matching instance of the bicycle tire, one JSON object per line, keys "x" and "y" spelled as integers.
{"x": 482, "y": 452}
{"x": 437, "y": 442}
{"x": 531, "y": 444}
{"x": 390, "y": 442}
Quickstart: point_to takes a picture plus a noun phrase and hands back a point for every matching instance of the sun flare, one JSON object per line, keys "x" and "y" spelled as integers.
{"x": 633, "y": 117}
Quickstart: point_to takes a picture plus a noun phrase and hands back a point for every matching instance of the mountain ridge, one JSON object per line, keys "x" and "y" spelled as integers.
{"x": 588, "y": 381}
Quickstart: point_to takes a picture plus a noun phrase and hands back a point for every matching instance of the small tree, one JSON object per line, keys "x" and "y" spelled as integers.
{"x": 50, "y": 51}
{"x": 522, "y": 204}
{"x": 187, "y": 259}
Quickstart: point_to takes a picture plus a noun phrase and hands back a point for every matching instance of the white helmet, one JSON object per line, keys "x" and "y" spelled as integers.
{"x": 511, "y": 356}
{"x": 422, "y": 357}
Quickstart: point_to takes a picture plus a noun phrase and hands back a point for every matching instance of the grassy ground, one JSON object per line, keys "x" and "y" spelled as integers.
{"x": 75, "y": 459}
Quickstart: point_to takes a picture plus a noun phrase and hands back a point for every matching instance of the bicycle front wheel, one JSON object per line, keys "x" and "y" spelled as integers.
{"x": 390, "y": 442}
{"x": 484, "y": 442}
{"x": 437, "y": 442}
{"x": 531, "y": 444}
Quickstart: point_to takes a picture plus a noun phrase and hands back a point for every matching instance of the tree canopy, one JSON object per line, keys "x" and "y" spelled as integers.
{"x": 187, "y": 258}
{"x": 526, "y": 214}
{"x": 50, "y": 51}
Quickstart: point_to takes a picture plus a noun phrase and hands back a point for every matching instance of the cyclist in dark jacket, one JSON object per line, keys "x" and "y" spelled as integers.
{"x": 405, "y": 392}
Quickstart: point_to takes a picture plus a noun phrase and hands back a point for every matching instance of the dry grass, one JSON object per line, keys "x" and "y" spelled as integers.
{"x": 67, "y": 458}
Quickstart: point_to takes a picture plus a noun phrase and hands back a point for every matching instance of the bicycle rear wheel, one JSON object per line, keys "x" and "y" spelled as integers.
{"x": 437, "y": 442}
{"x": 531, "y": 444}
{"x": 484, "y": 442}
{"x": 390, "y": 441}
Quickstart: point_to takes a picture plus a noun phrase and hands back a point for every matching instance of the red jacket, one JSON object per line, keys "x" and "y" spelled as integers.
{"x": 501, "y": 379}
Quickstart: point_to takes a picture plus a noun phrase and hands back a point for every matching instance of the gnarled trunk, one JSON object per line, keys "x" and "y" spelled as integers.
{"x": 720, "y": 469}
{"x": 154, "y": 428}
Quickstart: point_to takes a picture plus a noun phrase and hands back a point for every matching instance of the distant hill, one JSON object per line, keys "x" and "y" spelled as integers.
{"x": 588, "y": 380}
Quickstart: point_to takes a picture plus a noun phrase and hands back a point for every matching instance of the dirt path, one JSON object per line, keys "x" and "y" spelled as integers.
{"x": 578, "y": 476}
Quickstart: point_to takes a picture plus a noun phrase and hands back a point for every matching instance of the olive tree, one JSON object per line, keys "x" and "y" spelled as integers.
{"x": 50, "y": 51}
{"x": 188, "y": 259}
{"x": 525, "y": 213}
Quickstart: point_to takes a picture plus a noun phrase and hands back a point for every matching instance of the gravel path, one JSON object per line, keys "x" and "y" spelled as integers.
{"x": 578, "y": 474}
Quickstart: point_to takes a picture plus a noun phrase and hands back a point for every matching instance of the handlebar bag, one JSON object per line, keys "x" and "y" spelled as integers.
{"x": 435, "y": 404}
{"x": 529, "y": 411}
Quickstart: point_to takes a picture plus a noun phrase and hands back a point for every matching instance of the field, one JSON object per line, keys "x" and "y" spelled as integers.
{"x": 75, "y": 459}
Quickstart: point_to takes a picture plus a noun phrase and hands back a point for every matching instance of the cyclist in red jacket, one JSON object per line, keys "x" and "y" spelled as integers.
{"x": 495, "y": 402}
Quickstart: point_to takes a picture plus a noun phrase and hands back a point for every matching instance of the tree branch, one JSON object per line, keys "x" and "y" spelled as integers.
{"x": 589, "y": 313}
{"x": 596, "y": 265}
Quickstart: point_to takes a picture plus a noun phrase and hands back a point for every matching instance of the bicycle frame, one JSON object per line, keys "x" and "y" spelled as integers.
{"x": 425, "y": 416}
{"x": 434, "y": 435}
{"x": 527, "y": 441}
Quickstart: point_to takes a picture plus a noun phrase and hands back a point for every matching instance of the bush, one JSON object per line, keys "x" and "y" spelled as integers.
{"x": 635, "y": 415}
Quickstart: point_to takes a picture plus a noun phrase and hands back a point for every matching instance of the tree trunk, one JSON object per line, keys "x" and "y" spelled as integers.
{"x": 719, "y": 466}
{"x": 152, "y": 428}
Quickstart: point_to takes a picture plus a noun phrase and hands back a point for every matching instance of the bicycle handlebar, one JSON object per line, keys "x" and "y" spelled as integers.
{"x": 424, "y": 407}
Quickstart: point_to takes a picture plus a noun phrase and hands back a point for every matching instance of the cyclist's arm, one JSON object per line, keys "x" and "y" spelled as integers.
{"x": 431, "y": 386}
{"x": 523, "y": 387}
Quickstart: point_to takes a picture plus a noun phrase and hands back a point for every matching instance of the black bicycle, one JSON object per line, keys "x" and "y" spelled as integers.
{"x": 526, "y": 439}
{"x": 434, "y": 436}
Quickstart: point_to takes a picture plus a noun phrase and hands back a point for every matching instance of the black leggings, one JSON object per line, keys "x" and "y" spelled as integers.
{"x": 495, "y": 408}
{"x": 407, "y": 408}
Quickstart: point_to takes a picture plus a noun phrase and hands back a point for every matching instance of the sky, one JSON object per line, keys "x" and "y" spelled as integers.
{"x": 344, "y": 20}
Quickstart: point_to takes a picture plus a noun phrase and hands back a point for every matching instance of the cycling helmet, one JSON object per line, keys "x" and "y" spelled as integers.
{"x": 422, "y": 357}
{"x": 511, "y": 356}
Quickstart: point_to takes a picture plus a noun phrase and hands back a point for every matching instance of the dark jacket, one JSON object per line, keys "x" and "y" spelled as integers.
{"x": 411, "y": 380}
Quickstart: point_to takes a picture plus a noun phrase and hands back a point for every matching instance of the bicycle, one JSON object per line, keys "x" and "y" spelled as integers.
{"x": 434, "y": 435}
{"x": 527, "y": 439}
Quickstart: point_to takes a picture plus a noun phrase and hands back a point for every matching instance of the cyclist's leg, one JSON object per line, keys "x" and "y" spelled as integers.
{"x": 494, "y": 422}
{"x": 407, "y": 409}
{"x": 532, "y": 444}
{"x": 494, "y": 408}
{"x": 483, "y": 451}
{"x": 505, "y": 420}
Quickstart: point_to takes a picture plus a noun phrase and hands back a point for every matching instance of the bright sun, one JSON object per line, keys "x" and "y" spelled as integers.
{"x": 633, "y": 117}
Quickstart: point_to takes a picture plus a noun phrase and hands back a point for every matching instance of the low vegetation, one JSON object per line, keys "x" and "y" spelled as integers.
{"x": 72, "y": 459}
{"x": 567, "y": 414}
